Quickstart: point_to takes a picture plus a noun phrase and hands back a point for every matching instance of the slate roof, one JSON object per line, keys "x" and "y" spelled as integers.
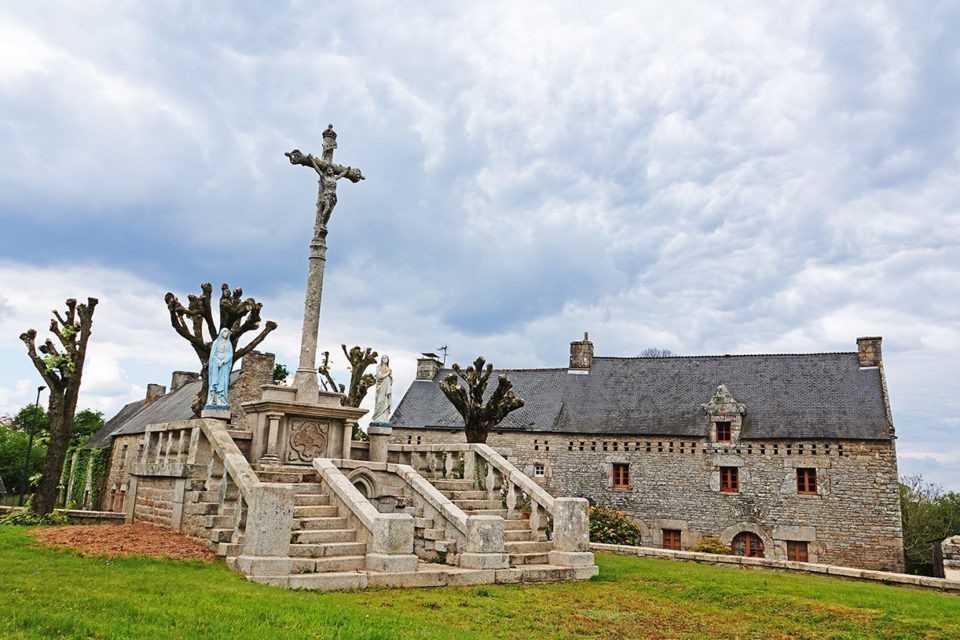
{"x": 135, "y": 416}
{"x": 821, "y": 395}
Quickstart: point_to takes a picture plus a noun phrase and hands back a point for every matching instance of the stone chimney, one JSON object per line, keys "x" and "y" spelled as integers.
{"x": 154, "y": 391}
{"x": 181, "y": 378}
{"x": 256, "y": 370}
{"x": 868, "y": 352}
{"x": 581, "y": 354}
{"x": 427, "y": 368}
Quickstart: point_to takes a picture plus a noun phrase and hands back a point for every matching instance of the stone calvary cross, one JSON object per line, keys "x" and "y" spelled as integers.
{"x": 305, "y": 379}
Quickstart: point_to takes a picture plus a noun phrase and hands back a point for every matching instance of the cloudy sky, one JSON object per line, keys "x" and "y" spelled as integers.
{"x": 746, "y": 178}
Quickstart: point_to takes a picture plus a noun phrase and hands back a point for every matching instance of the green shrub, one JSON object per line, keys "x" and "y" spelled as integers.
{"x": 712, "y": 545}
{"x": 27, "y": 518}
{"x": 612, "y": 527}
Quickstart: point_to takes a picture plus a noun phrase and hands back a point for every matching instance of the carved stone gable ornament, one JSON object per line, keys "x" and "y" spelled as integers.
{"x": 724, "y": 405}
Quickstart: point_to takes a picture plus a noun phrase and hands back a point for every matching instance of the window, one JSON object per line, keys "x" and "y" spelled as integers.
{"x": 621, "y": 474}
{"x": 671, "y": 539}
{"x": 797, "y": 551}
{"x": 723, "y": 432}
{"x": 747, "y": 544}
{"x": 807, "y": 481}
{"x": 538, "y": 469}
{"x": 729, "y": 479}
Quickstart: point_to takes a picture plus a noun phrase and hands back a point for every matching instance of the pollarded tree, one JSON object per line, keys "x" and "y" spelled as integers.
{"x": 479, "y": 417}
{"x": 360, "y": 360}
{"x": 61, "y": 368}
{"x": 236, "y": 314}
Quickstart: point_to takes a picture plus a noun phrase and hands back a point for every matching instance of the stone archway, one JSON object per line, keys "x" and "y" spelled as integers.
{"x": 729, "y": 536}
{"x": 364, "y": 483}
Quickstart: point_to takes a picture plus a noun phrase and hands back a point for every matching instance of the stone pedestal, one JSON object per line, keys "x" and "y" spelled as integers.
{"x": 379, "y": 433}
{"x": 290, "y": 431}
{"x": 216, "y": 413}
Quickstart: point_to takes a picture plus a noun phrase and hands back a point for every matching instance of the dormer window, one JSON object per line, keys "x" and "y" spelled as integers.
{"x": 724, "y": 417}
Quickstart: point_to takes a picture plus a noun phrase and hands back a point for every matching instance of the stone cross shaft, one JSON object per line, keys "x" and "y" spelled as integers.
{"x": 305, "y": 379}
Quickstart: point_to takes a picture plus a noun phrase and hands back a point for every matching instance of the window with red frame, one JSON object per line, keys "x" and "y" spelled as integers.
{"x": 729, "y": 479}
{"x": 621, "y": 474}
{"x": 797, "y": 551}
{"x": 807, "y": 481}
{"x": 671, "y": 539}
{"x": 723, "y": 432}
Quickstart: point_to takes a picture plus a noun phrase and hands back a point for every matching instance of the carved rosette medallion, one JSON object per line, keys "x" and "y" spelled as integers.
{"x": 308, "y": 440}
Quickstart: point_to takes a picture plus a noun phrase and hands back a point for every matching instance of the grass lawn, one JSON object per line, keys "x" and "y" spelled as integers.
{"x": 45, "y": 593}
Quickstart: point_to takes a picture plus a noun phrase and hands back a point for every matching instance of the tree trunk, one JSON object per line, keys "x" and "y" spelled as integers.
{"x": 61, "y": 427}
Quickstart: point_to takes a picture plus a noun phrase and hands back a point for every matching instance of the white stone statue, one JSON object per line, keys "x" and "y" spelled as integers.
{"x": 218, "y": 369}
{"x": 381, "y": 411}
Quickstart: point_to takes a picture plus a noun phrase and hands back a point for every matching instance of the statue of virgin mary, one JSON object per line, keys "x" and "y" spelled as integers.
{"x": 218, "y": 369}
{"x": 381, "y": 411}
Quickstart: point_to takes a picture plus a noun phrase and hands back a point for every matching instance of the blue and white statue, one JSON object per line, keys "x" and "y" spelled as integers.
{"x": 218, "y": 370}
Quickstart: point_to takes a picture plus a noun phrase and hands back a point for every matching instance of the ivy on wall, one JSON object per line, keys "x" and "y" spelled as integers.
{"x": 88, "y": 461}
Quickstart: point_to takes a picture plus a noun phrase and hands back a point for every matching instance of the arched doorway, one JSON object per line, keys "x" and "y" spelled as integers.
{"x": 747, "y": 544}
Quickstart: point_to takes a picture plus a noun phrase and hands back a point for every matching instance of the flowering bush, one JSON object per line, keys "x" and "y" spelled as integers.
{"x": 712, "y": 545}
{"x": 612, "y": 527}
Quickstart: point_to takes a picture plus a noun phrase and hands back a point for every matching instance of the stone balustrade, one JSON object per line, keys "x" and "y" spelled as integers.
{"x": 477, "y": 540}
{"x": 500, "y": 479}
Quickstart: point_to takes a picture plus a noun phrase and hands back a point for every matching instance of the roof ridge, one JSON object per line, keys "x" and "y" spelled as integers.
{"x": 728, "y": 355}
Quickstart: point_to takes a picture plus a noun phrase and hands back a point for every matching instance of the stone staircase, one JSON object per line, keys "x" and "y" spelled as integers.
{"x": 355, "y": 524}
{"x": 524, "y": 545}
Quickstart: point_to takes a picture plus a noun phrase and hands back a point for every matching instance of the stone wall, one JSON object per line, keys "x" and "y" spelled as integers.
{"x": 950, "y": 552}
{"x": 853, "y": 519}
{"x": 154, "y": 503}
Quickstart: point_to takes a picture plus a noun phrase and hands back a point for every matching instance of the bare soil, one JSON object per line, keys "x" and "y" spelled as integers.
{"x": 114, "y": 540}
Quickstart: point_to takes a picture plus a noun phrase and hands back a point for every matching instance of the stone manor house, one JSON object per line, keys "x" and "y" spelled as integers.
{"x": 787, "y": 456}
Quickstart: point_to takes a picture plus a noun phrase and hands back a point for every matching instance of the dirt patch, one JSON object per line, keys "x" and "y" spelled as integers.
{"x": 113, "y": 540}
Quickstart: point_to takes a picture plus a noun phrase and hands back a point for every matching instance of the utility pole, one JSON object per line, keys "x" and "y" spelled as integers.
{"x": 33, "y": 430}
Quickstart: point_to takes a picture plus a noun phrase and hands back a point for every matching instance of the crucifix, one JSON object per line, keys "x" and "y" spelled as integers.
{"x": 305, "y": 379}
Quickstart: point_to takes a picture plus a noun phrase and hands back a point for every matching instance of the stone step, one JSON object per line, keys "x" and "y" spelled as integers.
{"x": 422, "y": 523}
{"x": 219, "y": 522}
{"x": 204, "y": 496}
{"x": 229, "y": 549}
{"x": 314, "y": 536}
{"x": 528, "y": 547}
{"x": 433, "y": 534}
{"x": 515, "y": 524}
{"x": 318, "y": 511}
{"x": 327, "y": 565}
{"x": 310, "y": 499}
{"x": 487, "y": 512}
{"x": 327, "y": 549}
{"x": 470, "y": 505}
{"x": 309, "y": 487}
{"x": 293, "y": 477}
{"x": 475, "y": 494}
{"x": 519, "y": 559}
{"x": 519, "y": 535}
{"x": 330, "y": 522}
{"x": 202, "y": 508}
{"x": 221, "y": 535}
{"x": 451, "y": 484}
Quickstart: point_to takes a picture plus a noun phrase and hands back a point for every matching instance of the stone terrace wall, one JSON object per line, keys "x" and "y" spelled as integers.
{"x": 155, "y": 501}
{"x": 853, "y": 520}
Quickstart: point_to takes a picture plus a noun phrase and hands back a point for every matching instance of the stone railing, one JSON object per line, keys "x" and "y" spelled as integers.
{"x": 478, "y": 540}
{"x": 389, "y": 536}
{"x": 195, "y": 477}
{"x": 500, "y": 479}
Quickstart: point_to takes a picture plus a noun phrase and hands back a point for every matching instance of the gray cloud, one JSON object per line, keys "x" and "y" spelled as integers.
{"x": 710, "y": 180}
